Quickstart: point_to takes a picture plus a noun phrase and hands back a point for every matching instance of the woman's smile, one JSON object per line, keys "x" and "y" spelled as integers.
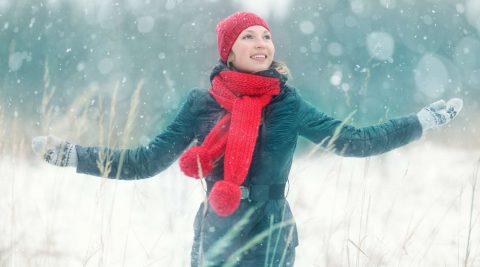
{"x": 259, "y": 57}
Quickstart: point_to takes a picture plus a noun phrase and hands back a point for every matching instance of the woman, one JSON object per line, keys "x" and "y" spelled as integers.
{"x": 247, "y": 125}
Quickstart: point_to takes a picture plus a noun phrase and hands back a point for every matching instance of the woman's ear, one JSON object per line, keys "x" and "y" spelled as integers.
{"x": 230, "y": 59}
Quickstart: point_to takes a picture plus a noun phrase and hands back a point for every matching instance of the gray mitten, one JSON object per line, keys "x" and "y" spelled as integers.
{"x": 439, "y": 113}
{"x": 55, "y": 150}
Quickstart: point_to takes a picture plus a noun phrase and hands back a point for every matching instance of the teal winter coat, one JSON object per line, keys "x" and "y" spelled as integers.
{"x": 285, "y": 118}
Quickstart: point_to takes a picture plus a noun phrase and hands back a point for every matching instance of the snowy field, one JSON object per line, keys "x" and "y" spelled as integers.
{"x": 410, "y": 207}
{"x": 63, "y": 62}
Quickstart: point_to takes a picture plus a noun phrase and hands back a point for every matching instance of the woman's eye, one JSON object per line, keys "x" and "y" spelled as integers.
{"x": 248, "y": 36}
{"x": 268, "y": 37}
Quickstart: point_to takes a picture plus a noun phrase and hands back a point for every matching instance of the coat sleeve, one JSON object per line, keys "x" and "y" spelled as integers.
{"x": 143, "y": 161}
{"x": 348, "y": 141}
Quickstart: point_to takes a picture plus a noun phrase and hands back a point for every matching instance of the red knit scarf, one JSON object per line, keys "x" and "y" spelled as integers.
{"x": 243, "y": 96}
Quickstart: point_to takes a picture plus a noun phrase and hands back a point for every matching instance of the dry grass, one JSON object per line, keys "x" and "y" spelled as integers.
{"x": 470, "y": 222}
{"x": 348, "y": 212}
{"x": 410, "y": 207}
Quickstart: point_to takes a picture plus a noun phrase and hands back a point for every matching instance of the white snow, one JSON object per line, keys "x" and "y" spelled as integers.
{"x": 410, "y": 207}
{"x": 357, "y": 6}
{"x": 380, "y": 45}
{"x": 53, "y": 4}
{"x": 105, "y": 65}
{"x": 145, "y": 24}
{"x": 4, "y": 4}
{"x": 472, "y": 8}
{"x": 170, "y": 4}
{"x": 32, "y": 22}
{"x": 336, "y": 78}
{"x": 335, "y": 49}
{"x": 16, "y": 59}
{"x": 80, "y": 66}
{"x": 467, "y": 53}
{"x": 306, "y": 27}
{"x": 388, "y": 4}
{"x": 431, "y": 76}
{"x": 351, "y": 21}
{"x": 315, "y": 45}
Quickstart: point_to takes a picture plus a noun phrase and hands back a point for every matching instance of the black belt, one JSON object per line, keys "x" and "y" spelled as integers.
{"x": 258, "y": 192}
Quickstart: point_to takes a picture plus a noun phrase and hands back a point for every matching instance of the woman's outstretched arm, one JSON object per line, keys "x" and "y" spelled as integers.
{"x": 133, "y": 163}
{"x": 349, "y": 141}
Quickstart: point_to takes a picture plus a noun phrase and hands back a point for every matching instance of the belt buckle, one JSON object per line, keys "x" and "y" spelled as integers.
{"x": 245, "y": 192}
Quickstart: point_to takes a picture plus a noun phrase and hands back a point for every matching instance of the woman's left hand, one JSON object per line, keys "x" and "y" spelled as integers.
{"x": 439, "y": 113}
{"x": 55, "y": 151}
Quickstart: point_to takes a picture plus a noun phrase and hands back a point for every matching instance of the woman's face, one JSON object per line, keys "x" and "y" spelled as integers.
{"x": 253, "y": 50}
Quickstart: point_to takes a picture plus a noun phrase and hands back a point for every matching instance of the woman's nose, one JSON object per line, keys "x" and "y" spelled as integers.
{"x": 259, "y": 43}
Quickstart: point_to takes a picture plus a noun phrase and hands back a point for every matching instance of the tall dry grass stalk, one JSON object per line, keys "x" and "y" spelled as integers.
{"x": 368, "y": 74}
{"x": 131, "y": 118}
{"x": 80, "y": 104}
{"x": 112, "y": 114}
{"x": 336, "y": 134}
{"x": 232, "y": 260}
{"x": 288, "y": 241}
{"x": 202, "y": 225}
{"x": 50, "y": 121}
{"x": 210, "y": 257}
{"x": 472, "y": 202}
{"x": 3, "y": 127}
{"x": 363, "y": 225}
{"x": 105, "y": 153}
{"x": 104, "y": 166}
{"x": 13, "y": 206}
{"x": 275, "y": 247}
{"x": 385, "y": 116}
{"x": 132, "y": 113}
{"x": 269, "y": 240}
{"x": 328, "y": 144}
{"x": 330, "y": 140}
{"x": 46, "y": 110}
{"x": 104, "y": 162}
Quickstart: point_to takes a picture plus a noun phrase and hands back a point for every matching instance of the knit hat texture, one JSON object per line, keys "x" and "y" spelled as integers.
{"x": 229, "y": 28}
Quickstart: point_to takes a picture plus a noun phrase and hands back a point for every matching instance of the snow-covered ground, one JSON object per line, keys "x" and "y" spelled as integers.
{"x": 409, "y": 207}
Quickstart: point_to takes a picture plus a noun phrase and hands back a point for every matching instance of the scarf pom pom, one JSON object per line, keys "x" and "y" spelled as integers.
{"x": 225, "y": 198}
{"x": 189, "y": 162}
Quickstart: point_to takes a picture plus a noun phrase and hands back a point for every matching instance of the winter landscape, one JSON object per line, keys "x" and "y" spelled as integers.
{"x": 115, "y": 72}
{"x": 415, "y": 206}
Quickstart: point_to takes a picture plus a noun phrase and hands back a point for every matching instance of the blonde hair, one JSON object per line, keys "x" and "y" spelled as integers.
{"x": 281, "y": 68}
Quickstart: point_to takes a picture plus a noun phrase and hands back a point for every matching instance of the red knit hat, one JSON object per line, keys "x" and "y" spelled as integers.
{"x": 229, "y": 28}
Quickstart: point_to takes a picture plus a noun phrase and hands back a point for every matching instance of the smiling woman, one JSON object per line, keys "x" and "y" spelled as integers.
{"x": 253, "y": 51}
{"x": 245, "y": 129}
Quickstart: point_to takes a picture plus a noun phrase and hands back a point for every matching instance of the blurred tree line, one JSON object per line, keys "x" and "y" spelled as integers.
{"x": 55, "y": 53}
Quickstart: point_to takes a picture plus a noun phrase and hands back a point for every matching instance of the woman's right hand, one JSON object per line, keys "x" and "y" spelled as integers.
{"x": 439, "y": 113}
{"x": 55, "y": 151}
